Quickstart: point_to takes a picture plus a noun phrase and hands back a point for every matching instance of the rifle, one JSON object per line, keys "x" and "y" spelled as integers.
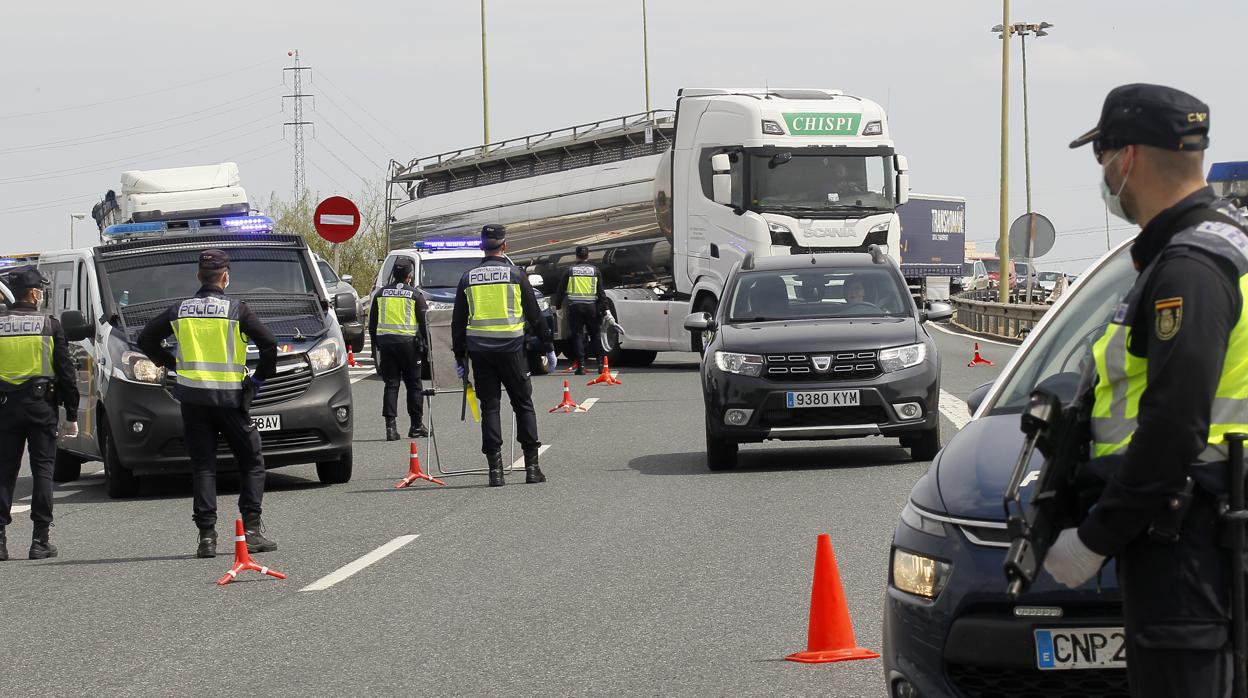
{"x": 1062, "y": 496}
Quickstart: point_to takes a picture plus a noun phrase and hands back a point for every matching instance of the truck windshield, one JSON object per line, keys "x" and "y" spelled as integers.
{"x": 444, "y": 273}
{"x": 820, "y": 182}
{"x": 826, "y": 293}
{"x": 171, "y": 275}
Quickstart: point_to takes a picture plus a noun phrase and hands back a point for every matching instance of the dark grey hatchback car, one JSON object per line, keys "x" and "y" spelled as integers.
{"x": 813, "y": 347}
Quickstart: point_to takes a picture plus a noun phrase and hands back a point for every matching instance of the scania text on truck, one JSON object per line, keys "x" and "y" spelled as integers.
{"x": 669, "y": 202}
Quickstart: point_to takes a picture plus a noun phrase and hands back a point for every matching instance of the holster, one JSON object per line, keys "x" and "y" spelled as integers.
{"x": 1165, "y": 527}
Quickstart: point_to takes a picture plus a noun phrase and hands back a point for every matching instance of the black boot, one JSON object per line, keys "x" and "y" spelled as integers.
{"x": 496, "y": 468}
{"x": 256, "y": 542}
{"x": 532, "y": 473}
{"x": 207, "y": 543}
{"x": 418, "y": 431}
{"x": 40, "y": 548}
{"x": 580, "y": 369}
{"x": 392, "y": 430}
{"x": 4, "y": 545}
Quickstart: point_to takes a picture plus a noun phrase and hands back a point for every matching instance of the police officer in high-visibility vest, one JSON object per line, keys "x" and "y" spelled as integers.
{"x": 397, "y": 328}
{"x": 492, "y": 305}
{"x": 581, "y": 288}
{"x": 36, "y": 374}
{"x": 1172, "y": 380}
{"x": 215, "y": 391}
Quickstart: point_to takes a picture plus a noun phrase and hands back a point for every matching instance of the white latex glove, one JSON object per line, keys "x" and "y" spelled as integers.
{"x": 1071, "y": 562}
{"x": 70, "y": 430}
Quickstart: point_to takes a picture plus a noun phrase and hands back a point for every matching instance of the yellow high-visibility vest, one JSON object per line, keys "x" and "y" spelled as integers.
{"x": 25, "y": 348}
{"x": 397, "y": 312}
{"x": 212, "y": 350}
{"x": 582, "y": 284}
{"x": 494, "y": 306}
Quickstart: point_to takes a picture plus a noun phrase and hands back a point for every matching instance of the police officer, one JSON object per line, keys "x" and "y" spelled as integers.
{"x": 397, "y": 328}
{"x": 492, "y": 304}
{"x": 36, "y": 374}
{"x": 212, "y": 332}
{"x": 581, "y": 287}
{"x": 1172, "y": 380}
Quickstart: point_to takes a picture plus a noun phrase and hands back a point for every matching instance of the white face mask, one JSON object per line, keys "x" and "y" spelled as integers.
{"x": 226, "y": 284}
{"x": 1113, "y": 200}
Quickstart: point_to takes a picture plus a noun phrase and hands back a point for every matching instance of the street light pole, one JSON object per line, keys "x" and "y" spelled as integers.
{"x": 485, "y": 82}
{"x": 1003, "y": 241}
{"x": 645, "y": 50}
{"x": 72, "y": 218}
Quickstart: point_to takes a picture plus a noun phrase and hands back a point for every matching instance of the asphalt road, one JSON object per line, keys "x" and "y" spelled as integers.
{"x": 633, "y": 571}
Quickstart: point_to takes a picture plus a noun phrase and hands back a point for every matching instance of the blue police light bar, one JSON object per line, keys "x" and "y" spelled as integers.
{"x": 461, "y": 244}
{"x": 1228, "y": 172}
{"x": 128, "y": 229}
{"x": 248, "y": 224}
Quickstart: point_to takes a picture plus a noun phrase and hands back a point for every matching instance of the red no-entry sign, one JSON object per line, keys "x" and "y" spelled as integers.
{"x": 336, "y": 219}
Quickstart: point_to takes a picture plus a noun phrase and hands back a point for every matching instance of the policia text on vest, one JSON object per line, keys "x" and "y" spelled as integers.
{"x": 36, "y": 374}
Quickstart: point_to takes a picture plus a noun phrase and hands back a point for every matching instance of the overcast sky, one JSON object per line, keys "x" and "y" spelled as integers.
{"x": 92, "y": 89}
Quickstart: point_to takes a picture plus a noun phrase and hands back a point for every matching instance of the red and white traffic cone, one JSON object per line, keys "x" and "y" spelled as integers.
{"x": 567, "y": 405}
{"x": 351, "y": 358}
{"x": 978, "y": 360}
{"x": 414, "y": 472}
{"x": 242, "y": 559}
{"x": 604, "y": 376}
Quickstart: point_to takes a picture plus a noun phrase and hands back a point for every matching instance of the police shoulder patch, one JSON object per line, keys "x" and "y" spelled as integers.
{"x": 1168, "y": 317}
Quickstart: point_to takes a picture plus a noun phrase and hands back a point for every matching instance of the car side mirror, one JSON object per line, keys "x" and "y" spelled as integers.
{"x": 347, "y": 278}
{"x": 903, "y": 188}
{"x": 699, "y": 322}
{"x": 976, "y": 398}
{"x": 344, "y": 308}
{"x": 75, "y": 326}
{"x": 937, "y": 311}
{"x": 721, "y": 178}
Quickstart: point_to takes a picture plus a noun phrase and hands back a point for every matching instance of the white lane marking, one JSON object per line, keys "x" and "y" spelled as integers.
{"x": 520, "y": 461}
{"x": 56, "y": 494}
{"x": 352, "y": 567}
{"x": 972, "y": 337}
{"x": 588, "y": 404}
{"x": 19, "y": 508}
{"x": 955, "y": 409}
{"x": 357, "y": 377}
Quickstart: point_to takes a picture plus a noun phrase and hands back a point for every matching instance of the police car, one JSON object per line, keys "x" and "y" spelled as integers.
{"x": 949, "y": 627}
{"x": 438, "y": 266}
{"x": 128, "y": 418}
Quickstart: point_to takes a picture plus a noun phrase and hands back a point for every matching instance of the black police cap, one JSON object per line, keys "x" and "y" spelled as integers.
{"x": 402, "y": 268}
{"x": 212, "y": 260}
{"x": 493, "y": 236}
{"x": 1156, "y": 115}
{"x": 24, "y": 277}
{"x": 582, "y": 251}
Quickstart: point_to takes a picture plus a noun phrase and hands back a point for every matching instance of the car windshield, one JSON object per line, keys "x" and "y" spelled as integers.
{"x": 1021, "y": 268}
{"x": 820, "y": 182}
{"x": 1057, "y": 356}
{"x": 992, "y": 265}
{"x": 327, "y": 273}
{"x": 1048, "y": 275}
{"x": 169, "y": 276}
{"x": 444, "y": 273}
{"x": 968, "y": 269}
{"x": 826, "y": 293}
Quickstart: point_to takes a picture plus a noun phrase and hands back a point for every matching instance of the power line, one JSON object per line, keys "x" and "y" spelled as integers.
{"x": 340, "y": 160}
{"x": 342, "y": 135}
{"x": 115, "y": 100}
{"x": 360, "y": 106}
{"x": 367, "y": 132}
{"x": 327, "y": 174}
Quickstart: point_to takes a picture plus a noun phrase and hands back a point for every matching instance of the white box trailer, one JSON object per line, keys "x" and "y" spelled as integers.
{"x": 199, "y": 191}
{"x": 669, "y": 202}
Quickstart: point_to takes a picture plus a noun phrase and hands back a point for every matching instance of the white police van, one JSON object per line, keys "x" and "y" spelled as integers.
{"x": 128, "y": 418}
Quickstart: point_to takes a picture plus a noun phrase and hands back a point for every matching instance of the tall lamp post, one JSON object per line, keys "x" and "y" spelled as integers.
{"x": 1003, "y": 239}
{"x": 485, "y": 82}
{"x": 74, "y": 217}
{"x": 645, "y": 51}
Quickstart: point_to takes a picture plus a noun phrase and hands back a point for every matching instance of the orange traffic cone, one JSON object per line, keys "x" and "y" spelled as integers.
{"x": 831, "y": 634}
{"x": 242, "y": 559}
{"x": 567, "y": 405}
{"x": 978, "y": 360}
{"x": 572, "y": 368}
{"x": 414, "y": 472}
{"x": 351, "y": 358}
{"x": 604, "y": 376}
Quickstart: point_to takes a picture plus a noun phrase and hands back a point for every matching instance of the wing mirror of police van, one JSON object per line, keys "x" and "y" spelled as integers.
{"x": 536, "y": 280}
{"x": 976, "y": 398}
{"x": 937, "y": 311}
{"x": 699, "y": 322}
{"x": 75, "y": 326}
{"x": 347, "y": 278}
{"x": 344, "y": 307}
{"x": 721, "y": 178}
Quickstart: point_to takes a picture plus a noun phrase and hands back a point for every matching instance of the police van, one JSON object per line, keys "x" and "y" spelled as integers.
{"x": 128, "y": 418}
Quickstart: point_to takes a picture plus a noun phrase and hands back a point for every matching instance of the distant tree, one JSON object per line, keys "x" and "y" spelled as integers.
{"x": 361, "y": 256}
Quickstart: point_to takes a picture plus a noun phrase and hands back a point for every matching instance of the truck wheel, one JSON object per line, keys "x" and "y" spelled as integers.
{"x": 357, "y": 344}
{"x": 66, "y": 468}
{"x": 700, "y": 340}
{"x": 335, "y": 472}
{"x": 637, "y": 358}
{"x": 119, "y": 481}
{"x": 721, "y": 454}
{"x": 923, "y": 446}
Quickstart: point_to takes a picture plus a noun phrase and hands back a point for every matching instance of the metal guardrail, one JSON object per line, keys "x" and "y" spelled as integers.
{"x": 973, "y": 312}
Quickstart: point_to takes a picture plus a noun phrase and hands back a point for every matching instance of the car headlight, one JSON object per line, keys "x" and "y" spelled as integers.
{"x": 879, "y": 228}
{"x": 897, "y": 358}
{"x": 139, "y": 368}
{"x": 439, "y": 305}
{"x": 744, "y": 364}
{"x": 779, "y": 227}
{"x": 873, "y": 128}
{"x": 543, "y": 304}
{"x": 915, "y": 519}
{"x": 325, "y": 356}
{"x": 918, "y": 574}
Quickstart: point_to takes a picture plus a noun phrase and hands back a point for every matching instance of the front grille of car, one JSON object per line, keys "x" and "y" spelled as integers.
{"x": 842, "y": 365}
{"x": 269, "y": 441}
{"x": 823, "y": 416}
{"x": 292, "y": 379}
{"x": 992, "y": 682}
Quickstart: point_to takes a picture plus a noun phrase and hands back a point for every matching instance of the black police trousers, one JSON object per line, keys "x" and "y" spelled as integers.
{"x": 202, "y": 424}
{"x": 27, "y": 422}
{"x": 584, "y": 316}
{"x": 1176, "y": 603}
{"x": 492, "y": 371}
{"x": 400, "y": 363}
